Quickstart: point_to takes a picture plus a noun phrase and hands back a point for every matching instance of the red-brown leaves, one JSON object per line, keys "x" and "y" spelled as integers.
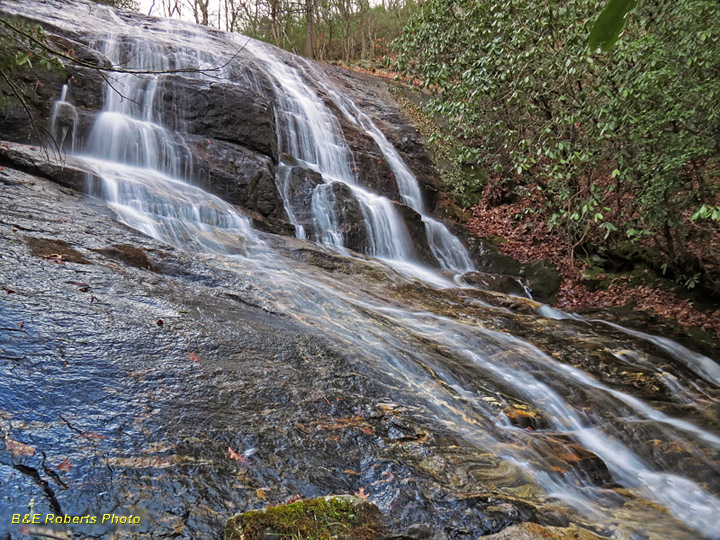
{"x": 237, "y": 457}
{"x": 64, "y": 465}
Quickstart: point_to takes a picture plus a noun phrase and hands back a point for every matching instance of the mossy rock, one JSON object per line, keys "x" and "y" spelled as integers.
{"x": 596, "y": 278}
{"x": 544, "y": 278}
{"x": 342, "y": 517}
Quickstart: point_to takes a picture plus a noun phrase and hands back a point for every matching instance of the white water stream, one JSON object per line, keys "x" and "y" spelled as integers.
{"x": 311, "y": 134}
{"x": 464, "y": 372}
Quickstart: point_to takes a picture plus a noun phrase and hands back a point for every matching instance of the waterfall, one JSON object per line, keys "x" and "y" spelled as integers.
{"x": 143, "y": 167}
{"x": 310, "y": 133}
{"x": 467, "y": 375}
{"x": 448, "y": 250}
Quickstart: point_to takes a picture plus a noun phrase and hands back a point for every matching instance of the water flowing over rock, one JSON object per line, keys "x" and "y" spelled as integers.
{"x": 165, "y": 353}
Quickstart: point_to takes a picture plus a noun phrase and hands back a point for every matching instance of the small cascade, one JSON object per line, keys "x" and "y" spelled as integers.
{"x": 311, "y": 134}
{"x": 446, "y": 247}
{"x": 324, "y": 209}
{"x": 142, "y": 166}
{"x": 384, "y": 224}
{"x": 64, "y": 122}
{"x": 698, "y": 363}
{"x": 127, "y": 131}
{"x": 283, "y": 179}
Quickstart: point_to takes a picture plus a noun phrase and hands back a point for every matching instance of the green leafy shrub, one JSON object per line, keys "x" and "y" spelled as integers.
{"x": 622, "y": 144}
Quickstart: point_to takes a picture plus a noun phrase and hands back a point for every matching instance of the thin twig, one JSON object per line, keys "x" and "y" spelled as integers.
{"x": 115, "y": 69}
{"x": 36, "y": 126}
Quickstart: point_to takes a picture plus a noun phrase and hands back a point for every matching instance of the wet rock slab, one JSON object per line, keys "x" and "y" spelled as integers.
{"x": 533, "y": 531}
{"x": 225, "y": 111}
{"x": 46, "y": 163}
{"x": 127, "y": 374}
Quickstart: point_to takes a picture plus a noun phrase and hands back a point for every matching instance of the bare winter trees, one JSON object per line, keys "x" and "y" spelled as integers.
{"x": 323, "y": 29}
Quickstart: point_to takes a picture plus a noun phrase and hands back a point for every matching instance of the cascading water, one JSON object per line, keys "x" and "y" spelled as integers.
{"x": 448, "y": 250}
{"x": 310, "y": 133}
{"x": 142, "y": 165}
{"x": 467, "y": 370}
{"x": 64, "y": 121}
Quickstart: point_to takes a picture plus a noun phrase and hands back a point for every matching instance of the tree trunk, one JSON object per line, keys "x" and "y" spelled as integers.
{"x": 308, "y": 28}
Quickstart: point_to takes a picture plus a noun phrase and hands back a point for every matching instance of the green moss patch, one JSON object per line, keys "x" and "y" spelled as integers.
{"x": 343, "y": 518}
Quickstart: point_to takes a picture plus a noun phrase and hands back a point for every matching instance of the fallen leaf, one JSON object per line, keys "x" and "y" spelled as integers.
{"x": 361, "y": 493}
{"x": 294, "y": 498}
{"x": 194, "y": 358}
{"x": 56, "y": 258}
{"x": 390, "y": 477}
{"x": 18, "y": 448}
{"x": 368, "y": 430}
{"x": 237, "y": 457}
{"x": 260, "y": 493}
{"x": 160, "y": 322}
{"x": 65, "y": 465}
{"x": 350, "y": 471}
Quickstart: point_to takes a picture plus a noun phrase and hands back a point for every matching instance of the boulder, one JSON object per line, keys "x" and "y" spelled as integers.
{"x": 349, "y": 215}
{"x": 495, "y": 282}
{"x": 298, "y": 183}
{"x": 237, "y": 174}
{"x": 544, "y": 279}
{"x": 229, "y": 112}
